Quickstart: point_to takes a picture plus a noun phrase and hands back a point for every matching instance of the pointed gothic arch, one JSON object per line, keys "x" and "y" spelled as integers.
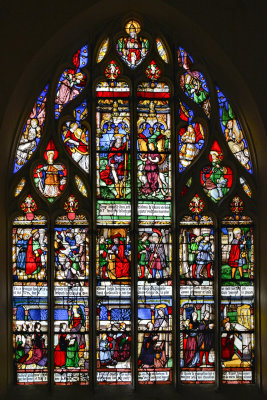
{"x": 211, "y": 206}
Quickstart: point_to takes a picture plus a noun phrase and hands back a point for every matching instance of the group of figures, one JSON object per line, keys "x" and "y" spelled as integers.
{"x": 153, "y": 257}
{"x": 237, "y": 253}
{"x": 198, "y": 253}
{"x": 115, "y": 346}
{"x": 154, "y": 343}
{"x": 30, "y": 346}
{"x": 71, "y": 253}
{"x": 198, "y": 340}
{"x": 114, "y": 143}
{"x": 114, "y": 254}
{"x": 153, "y": 162}
{"x": 29, "y": 252}
{"x": 71, "y": 350}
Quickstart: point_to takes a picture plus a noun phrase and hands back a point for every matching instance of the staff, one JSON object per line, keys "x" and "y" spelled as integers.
{"x": 125, "y": 167}
{"x": 155, "y": 251}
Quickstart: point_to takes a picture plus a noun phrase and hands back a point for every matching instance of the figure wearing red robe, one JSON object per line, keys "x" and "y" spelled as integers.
{"x": 227, "y": 341}
{"x": 76, "y": 143}
{"x": 237, "y": 256}
{"x": 122, "y": 265}
{"x": 116, "y": 168}
{"x": 33, "y": 255}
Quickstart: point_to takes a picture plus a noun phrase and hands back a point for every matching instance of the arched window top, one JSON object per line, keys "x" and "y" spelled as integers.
{"x": 134, "y": 166}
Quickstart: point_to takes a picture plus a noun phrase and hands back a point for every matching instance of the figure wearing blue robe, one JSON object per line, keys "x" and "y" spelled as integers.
{"x": 21, "y": 259}
{"x": 104, "y": 352}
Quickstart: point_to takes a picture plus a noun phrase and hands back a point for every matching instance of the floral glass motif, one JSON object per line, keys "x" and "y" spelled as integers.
{"x": 72, "y": 81}
{"x": 50, "y": 179}
{"x": 81, "y": 186}
{"x": 32, "y": 132}
{"x": 153, "y": 72}
{"x": 29, "y": 206}
{"x": 162, "y": 50}
{"x": 103, "y": 48}
{"x": 112, "y": 71}
{"x": 75, "y": 137}
{"x": 19, "y": 187}
{"x": 215, "y": 178}
{"x": 233, "y": 132}
{"x": 132, "y": 48}
{"x": 245, "y": 186}
{"x": 191, "y": 138}
{"x": 237, "y": 206}
{"x": 71, "y": 206}
{"x": 196, "y": 205}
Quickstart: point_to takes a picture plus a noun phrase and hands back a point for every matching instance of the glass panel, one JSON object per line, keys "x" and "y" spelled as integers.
{"x": 75, "y": 137}
{"x": 81, "y": 186}
{"x": 19, "y": 187}
{"x": 32, "y": 132}
{"x": 113, "y": 160}
{"x": 153, "y": 159}
{"x": 155, "y": 360}
{"x": 72, "y": 81}
{"x": 102, "y": 50}
{"x": 50, "y": 179}
{"x": 162, "y": 50}
{"x": 197, "y": 313}
{"x": 30, "y": 314}
{"x": 113, "y": 321}
{"x": 186, "y": 186}
{"x": 184, "y": 59}
{"x": 154, "y": 184}
{"x": 132, "y": 48}
{"x": 153, "y": 72}
{"x": 71, "y": 307}
{"x": 245, "y": 186}
{"x": 153, "y": 90}
{"x": 113, "y": 254}
{"x": 216, "y": 179}
{"x": 233, "y": 132}
{"x": 191, "y": 138}
{"x": 237, "y": 305}
{"x": 195, "y": 87}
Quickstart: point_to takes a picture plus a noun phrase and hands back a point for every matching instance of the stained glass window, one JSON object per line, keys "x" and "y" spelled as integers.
{"x": 132, "y": 229}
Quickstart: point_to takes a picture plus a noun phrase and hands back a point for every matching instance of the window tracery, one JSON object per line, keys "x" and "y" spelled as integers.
{"x": 141, "y": 188}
